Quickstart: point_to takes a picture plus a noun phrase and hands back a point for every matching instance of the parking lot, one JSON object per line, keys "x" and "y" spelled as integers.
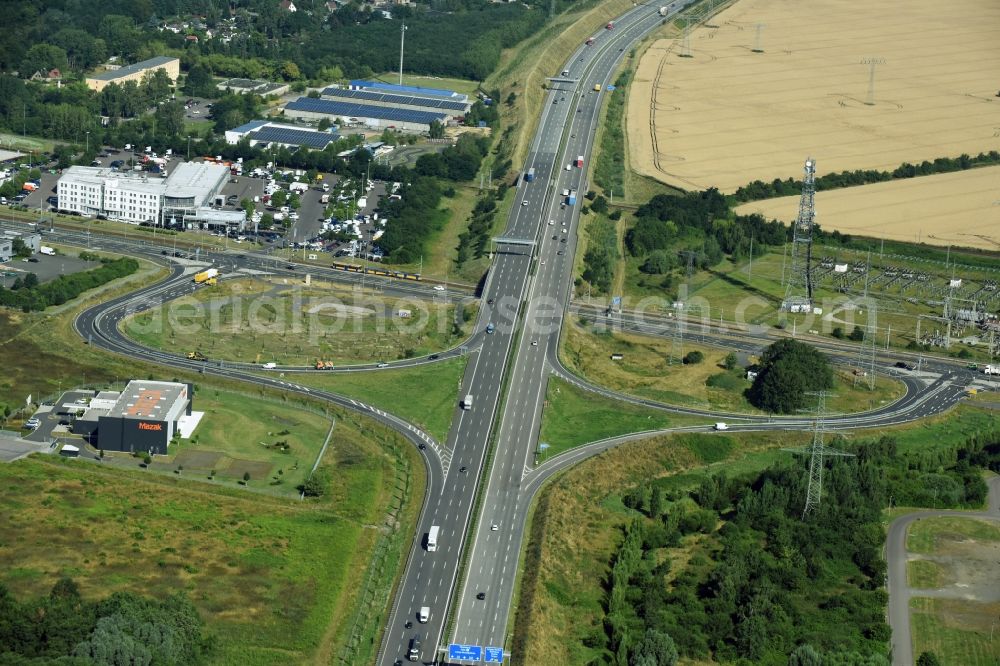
{"x": 55, "y": 420}
{"x": 44, "y": 266}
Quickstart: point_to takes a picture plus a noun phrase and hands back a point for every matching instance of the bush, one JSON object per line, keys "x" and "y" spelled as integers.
{"x": 725, "y": 380}
{"x": 692, "y": 358}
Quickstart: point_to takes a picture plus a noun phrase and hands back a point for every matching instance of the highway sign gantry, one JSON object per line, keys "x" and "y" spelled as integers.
{"x": 465, "y": 652}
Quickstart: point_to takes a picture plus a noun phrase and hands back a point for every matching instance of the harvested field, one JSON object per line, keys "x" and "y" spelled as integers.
{"x": 726, "y": 115}
{"x": 945, "y": 209}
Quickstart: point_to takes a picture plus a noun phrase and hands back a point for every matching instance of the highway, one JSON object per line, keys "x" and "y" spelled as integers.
{"x": 525, "y": 299}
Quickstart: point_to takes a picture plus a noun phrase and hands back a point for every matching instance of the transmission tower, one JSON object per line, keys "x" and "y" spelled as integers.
{"x": 799, "y": 287}
{"x": 689, "y": 23}
{"x": 758, "y": 44}
{"x": 677, "y": 343}
{"x": 816, "y": 451}
{"x": 869, "y": 347}
{"x": 871, "y": 62}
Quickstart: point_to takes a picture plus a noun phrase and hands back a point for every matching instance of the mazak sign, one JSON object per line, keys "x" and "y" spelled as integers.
{"x": 142, "y": 425}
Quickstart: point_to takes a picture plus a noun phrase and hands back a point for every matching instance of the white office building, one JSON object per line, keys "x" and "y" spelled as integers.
{"x": 190, "y": 195}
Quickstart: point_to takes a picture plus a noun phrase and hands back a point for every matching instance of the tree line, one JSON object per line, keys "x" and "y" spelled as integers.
{"x": 731, "y": 571}
{"x": 124, "y": 628}
{"x": 758, "y": 189}
{"x": 29, "y": 295}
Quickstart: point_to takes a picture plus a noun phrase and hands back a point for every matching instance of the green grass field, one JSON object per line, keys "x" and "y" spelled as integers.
{"x": 275, "y": 443}
{"x": 290, "y": 323}
{"x": 273, "y": 579}
{"x": 426, "y": 396}
{"x": 957, "y": 631}
{"x": 923, "y": 574}
{"x": 572, "y": 417}
{"x": 926, "y": 535}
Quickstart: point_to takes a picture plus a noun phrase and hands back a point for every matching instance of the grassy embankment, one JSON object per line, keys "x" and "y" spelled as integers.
{"x": 644, "y": 371}
{"x": 578, "y": 518}
{"x": 268, "y": 574}
{"x": 271, "y": 319}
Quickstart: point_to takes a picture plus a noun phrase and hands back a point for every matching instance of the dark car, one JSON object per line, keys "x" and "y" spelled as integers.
{"x": 33, "y": 260}
{"x": 481, "y": 596}
{"x": 433, "y": 357}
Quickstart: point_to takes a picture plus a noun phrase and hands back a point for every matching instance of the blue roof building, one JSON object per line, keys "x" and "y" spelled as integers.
{"x": 361, "y": 84}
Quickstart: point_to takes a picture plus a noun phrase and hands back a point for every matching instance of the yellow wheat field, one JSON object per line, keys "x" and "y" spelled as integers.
{"x": 727, "y": 115}
{"x": 961, "y": 208}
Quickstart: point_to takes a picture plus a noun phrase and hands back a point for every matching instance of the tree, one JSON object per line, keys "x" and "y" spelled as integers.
{"x": 656, "y": 648}
{"x": 290, "y": 71}
{"x": 169, "y": 119}
{"x": 436, "y": 130}
{"x": 805, "y": 655}
{"x": 246, "y": 477}
{"x": 30, "y": 281}
{"x": 928, "y": 659}
{"x": 659, "y": 262}
{"x": 693, "y": 358}
{"x": 324, "y": 124}
{"x": 730, "y": 361}
{"x": 43, "y": 57}
{"x": 858, "y": 334}
{"x": 199, "y": 81}
{"x": 120, "y": 34}
{"x": 20, "y": 249}
{"x": 789, "y": 370}
{"x": 279, "y": 198}
{"x": 157, "y": 86}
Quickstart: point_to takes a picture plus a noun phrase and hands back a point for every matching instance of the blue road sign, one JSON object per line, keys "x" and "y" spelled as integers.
{"x": 616, "y": 300}
{"x": 494, "y": 655}
{"x": 465, "y": 652}
{"x": 611, "y": 88}
{"x": 542, "y": 446}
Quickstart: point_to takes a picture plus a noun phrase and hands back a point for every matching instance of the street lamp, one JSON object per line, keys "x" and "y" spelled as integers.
{"x": 88, "y": 142}
{"x": 189, "y": 147}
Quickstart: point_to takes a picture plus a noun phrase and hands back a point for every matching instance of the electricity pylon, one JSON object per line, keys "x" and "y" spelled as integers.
{"x": 799, "y": 287}
{"x": 816, "y": 450}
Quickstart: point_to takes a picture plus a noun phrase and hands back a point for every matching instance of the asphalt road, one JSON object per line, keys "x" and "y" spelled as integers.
{"x": 895, "y": 555}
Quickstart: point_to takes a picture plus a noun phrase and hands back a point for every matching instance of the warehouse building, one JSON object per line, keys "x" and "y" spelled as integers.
{"x": 266, "y": 133}
{"x": 255, "y": 86}
{"x": 373, "y": 117}
{"x": 414, "y": 102}
{"x": 187, "y": 196}
{"x": 359, "y": 84}
{"x": 144, "y": 417}
{"x": 135, "y": 72}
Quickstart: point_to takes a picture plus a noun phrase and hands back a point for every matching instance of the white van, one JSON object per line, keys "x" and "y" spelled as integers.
{"x": 424, "y": 614}
{"x": 721, "y": 426}
{"x": 270, "y": 366}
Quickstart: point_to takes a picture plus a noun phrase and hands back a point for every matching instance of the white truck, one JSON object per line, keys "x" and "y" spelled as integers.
{"x": 991, "y": 370}
{"x": 432, "y": 539}
{"x": 45, "y": 249}
{"x": 298, "y": 187}
{"x": 467, "y": 402}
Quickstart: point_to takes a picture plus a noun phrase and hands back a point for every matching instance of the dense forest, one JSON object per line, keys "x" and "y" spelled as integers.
{"x": 732, "y": 572}
{"x": 263, "y": 40}
{"x": 787, "y": 372}
{"x": 63, "y": 628}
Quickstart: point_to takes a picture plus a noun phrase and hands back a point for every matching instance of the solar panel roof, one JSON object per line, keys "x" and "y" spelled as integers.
{"x": 389, "y": 98}
{"x": 345, "y": 109}
{"x": 406, "y": 90}
{"x": 294, "y": 137}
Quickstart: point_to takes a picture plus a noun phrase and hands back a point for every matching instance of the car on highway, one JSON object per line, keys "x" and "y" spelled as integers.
{"x": 481, "y": 596}
{"x": 438, "y": 287}
{"x": 534, "y": 343}
{"x": 489, "y": 301}
{"x": 463, "y": 469}
{"x": 561, "y": 252}
{"x": 524, "y": 203}
{"x": 270, "y": 365}
{"x": 494, "y": 527}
